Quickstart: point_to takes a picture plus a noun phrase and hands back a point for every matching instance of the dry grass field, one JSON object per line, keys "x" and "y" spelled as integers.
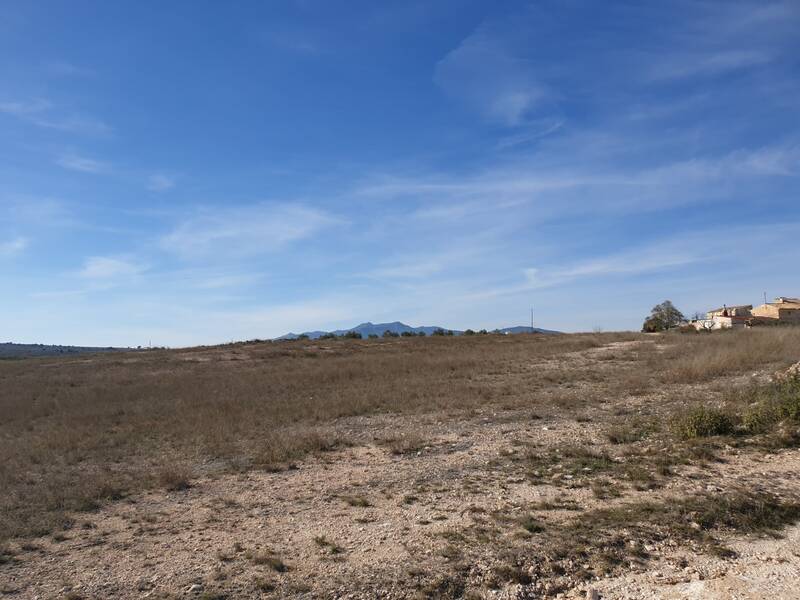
{"x": 642, "y": 466}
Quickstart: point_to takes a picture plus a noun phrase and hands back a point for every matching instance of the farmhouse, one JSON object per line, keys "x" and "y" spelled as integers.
{"x": 731, "y": 311}
{"x": 783, "y": 310}
{"x": 724, "y": 318}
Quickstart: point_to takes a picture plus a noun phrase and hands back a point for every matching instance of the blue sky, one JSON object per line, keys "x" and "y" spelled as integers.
{"x": 193, "y": 172}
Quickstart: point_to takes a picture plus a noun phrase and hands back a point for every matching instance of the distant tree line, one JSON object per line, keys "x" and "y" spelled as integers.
{"x": 355, "y": 335}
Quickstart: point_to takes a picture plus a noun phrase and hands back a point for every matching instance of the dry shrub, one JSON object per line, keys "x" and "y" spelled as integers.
{"x": 632, "y": 431}
{"x": 175, "y": 477}
{"x": 703, "y": 421}
{"x": 406, "y": 443}
{"x": 277, "y": 448}
{"x": 690, "y": 519}
{"x": 772, "y": 404}
{"x": 270, "y": 560}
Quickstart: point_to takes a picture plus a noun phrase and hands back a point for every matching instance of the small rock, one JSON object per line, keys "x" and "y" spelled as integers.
{"x": 592, "y": 594}
{"x": 195, "y": 588}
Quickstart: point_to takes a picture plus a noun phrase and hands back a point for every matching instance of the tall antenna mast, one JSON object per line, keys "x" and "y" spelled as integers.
{"x": 531, "y": 318}
{"x": 765, "y": 297}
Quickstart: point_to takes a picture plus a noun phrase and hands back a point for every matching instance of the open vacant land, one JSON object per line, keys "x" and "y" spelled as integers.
{"x": 640, "y": 466}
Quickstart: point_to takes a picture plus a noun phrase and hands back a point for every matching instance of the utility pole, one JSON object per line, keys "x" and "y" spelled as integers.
{"x": 765, "y": 297}
{"x": 531, "y": 319}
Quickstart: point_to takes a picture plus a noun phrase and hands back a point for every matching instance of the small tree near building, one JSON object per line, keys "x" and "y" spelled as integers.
{"x": 663, "y": 317}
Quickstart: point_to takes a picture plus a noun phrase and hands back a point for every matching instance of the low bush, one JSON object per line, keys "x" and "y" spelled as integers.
{"x": 773, "y": 404}
{"x": 175, "y": 478}
{"x": 704, "y": 421}
{"x": 627, "y": 433}
{"x": 410, "y": 443}
{"x": 761, "y": 417}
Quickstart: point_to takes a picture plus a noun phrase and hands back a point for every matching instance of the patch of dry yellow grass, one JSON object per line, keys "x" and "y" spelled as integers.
{"x": 78, "y": 432}
{"x": 699, "y": 357}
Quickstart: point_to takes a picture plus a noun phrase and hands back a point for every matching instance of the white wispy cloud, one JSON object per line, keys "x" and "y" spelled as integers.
{"x": 642, "y": 260}
{"x": 560, "y": 182}
{"x": 725, "y": 37}
{"x": 707, "y": 63}
{"x": 26, "y": 108}
{"x": 106, "y": 267}
{"x": 75, "y": 124}
{"x": 485, "y": 75}
{"x": 83, "y": 164}
{"x": 776, "y": 160}
{"x": 45, "y": 114}
{"x": 160, "y": 182}
{"x": 58, "y": 294}
{"x": 709, "y": 249}
{"x": 423, "y": 265}
{"x": 13, "y": 247}
{"x": 248, "y": 230}
{"x": 533, "y": 131}
{"x": 215, "y": 282}
{"x": 65, "y": 68}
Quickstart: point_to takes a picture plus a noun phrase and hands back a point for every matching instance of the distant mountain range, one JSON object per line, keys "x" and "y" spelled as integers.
{"x": 11, "y": 350}
{"x": 367, "y": 329}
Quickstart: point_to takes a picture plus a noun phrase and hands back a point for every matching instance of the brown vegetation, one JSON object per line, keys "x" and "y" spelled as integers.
{"x": 83, "y": 432}
{"x": 700, "y": 356}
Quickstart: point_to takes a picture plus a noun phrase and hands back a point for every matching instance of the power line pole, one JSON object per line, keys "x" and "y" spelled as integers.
{"x": 531, "y": 319}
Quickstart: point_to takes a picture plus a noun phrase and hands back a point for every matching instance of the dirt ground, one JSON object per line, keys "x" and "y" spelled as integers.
{"x": 375, "y": 521}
